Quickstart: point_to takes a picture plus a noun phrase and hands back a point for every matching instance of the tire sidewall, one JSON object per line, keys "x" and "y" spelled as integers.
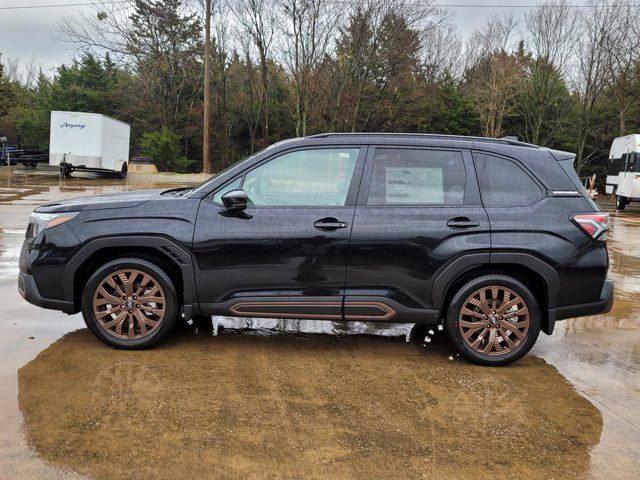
{"x": 453, "y": 313}
{"x": 171, "y": 298}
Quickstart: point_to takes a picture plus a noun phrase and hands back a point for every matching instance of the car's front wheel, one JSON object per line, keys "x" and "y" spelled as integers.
{"x": 493, "y": 320}
{"x": 130, "y": 303}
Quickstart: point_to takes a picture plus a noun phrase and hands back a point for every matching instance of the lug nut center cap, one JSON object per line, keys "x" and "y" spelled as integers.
{"x": 130, "y": 304}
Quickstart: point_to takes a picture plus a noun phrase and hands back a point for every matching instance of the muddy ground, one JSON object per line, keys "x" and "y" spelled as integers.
{"x": 303, "y": 405}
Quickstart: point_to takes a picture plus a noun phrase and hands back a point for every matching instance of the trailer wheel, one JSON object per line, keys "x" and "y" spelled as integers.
{"x": 65, "y": 172}
{"x": 621, "y": 202}
{"x": 123, "y": 172}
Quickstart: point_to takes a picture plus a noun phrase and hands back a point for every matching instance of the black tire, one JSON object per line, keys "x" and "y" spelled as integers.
{"x": 621, "y": 202}
{"x": 497, "y": 359}
{"x": 123, "y": 171}
{"x": 158, "y": 275}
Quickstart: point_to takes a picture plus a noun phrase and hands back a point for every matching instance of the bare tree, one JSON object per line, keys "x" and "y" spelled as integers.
{"x": 24, "y": 73}
{"x": 308, "y": 28}
{"x": 258, "y": 20}
{"x": 542, "y": 96}
{"x": 622, "y": 55}
{"x": 592, "y": 73}
{"x": 493, "y": 73}
{"x": 552, "y": 28}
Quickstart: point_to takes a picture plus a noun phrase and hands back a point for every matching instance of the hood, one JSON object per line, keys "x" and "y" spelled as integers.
{"x": 100, "y": 202}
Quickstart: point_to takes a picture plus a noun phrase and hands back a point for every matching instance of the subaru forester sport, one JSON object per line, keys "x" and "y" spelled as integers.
{"x": 494, "y": 239}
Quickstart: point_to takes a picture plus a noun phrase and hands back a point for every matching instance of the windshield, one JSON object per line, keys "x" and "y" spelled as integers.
{"x": 205, "y": 185}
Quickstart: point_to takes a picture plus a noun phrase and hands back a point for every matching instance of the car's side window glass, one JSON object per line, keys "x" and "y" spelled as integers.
{"x": 504, "y": 183}
{"x": 417, "y": 177}
{"x": 217, "y": 198}
{"x": 316, "y": 177}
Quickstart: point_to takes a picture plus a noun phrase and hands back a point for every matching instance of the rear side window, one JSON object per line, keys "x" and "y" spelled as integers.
{"x": 417, "y": 177}
{"x": 504, "y": 183}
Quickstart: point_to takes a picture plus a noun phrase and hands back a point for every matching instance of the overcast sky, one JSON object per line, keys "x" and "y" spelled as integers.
{"x": 29, "y": 34}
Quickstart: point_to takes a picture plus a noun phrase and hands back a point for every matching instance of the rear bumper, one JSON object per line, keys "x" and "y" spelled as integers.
{"x": 603, "y": 305}
{"x": 29, "y": 291}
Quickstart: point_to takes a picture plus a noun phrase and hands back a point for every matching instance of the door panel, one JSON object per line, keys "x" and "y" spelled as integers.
{"x": 286, "y": 254}
{"x": 270, "y": 251}
{"x": 396, "y": 251}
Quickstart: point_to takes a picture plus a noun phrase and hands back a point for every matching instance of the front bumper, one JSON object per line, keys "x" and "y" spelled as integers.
{"x": 29, "y": 291}
{"x": 603, "y": 305}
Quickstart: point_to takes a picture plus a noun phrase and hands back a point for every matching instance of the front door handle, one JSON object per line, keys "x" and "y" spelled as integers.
{"x": 461, "y": 223}
{"x": 329, "y": 224}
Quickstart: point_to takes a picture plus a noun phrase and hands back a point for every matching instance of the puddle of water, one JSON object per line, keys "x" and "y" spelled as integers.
{"x": 300, "y": 407}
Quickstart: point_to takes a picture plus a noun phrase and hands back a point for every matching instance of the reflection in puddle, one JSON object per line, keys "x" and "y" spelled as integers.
{"x": 303, "y": 406}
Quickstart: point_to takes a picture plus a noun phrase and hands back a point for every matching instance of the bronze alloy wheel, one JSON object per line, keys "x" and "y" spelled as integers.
{"x": 129, "y": 304}
{"x": 494, "y": 320}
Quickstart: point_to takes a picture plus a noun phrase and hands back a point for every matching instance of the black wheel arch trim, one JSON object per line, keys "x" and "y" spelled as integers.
{"x": 178, "y": 255}
{"x": 452, "y": 271}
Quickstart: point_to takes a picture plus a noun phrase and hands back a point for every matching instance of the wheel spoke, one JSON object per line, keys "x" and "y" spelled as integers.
{"x": 478, "y": 341}
{"x": 508, "y": 305}
{"x": 108, "y": 296}
{"x": 142, "y": 323}
{"x": 517, "y": 313}
{"x": 150, "y": 299}
{"x": 118, "y": 320}
{"x": 132, "y": 332}
{"x": 491, "y": 342}
{"x": 494, "y": 298}
{"x": 465, "y": 324}
{"x": 471, "y": 313}
{"x": 155, "y": 311}
{"x": 108, "y": 311}
{"x": 516, "y": 331}
{"x": 509, "y": 342}
{"x": 485, "y": 304}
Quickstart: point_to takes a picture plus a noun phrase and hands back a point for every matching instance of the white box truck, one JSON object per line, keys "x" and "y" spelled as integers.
{"x": 623, "y": 174}
{"x": 88, "y": 142}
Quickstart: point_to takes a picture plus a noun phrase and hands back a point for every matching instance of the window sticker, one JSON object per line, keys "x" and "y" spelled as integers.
{"x": 414, "y": 185}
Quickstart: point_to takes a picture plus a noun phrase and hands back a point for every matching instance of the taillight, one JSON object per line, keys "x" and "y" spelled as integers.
{"x": 596, "y": 225}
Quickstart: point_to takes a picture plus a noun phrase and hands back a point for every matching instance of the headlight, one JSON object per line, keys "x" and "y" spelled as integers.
{"x": 40, "y": 221}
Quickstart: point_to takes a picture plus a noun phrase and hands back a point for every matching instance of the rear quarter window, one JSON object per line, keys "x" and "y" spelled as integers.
{"x": 504, "y": 182}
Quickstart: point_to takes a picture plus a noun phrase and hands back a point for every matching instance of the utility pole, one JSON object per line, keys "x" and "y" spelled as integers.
{"x": 206, "y": 155}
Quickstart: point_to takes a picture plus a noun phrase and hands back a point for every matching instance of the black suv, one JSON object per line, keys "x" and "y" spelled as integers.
{"x": 494, "y": 238}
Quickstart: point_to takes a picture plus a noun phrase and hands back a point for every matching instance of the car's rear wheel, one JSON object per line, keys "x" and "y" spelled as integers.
{"x": 130, "y": 303}
{"x": 493, "y": 320}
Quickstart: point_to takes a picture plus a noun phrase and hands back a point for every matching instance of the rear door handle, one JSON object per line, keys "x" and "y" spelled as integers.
{"x": 329, "y": 224}
{"x": 461, "y": 223}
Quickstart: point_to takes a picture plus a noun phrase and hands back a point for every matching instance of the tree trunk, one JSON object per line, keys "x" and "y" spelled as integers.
{"x": 206, "y": 155}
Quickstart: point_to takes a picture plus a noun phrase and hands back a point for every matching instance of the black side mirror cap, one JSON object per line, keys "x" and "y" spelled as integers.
{"x": 235, "y": 200}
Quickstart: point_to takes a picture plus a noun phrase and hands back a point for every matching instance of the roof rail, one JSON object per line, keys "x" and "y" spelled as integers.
{"x": 503, "y": 140}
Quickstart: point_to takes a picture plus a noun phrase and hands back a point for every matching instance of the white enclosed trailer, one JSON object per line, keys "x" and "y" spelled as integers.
{"x": 623, "y": 174}
{"x": 88, "y": 142}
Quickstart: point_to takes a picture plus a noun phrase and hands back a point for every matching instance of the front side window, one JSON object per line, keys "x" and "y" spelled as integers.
{"x": 504, "y": 183}
{"x": 417, "y": 177}
{"x": 306, "y": 177}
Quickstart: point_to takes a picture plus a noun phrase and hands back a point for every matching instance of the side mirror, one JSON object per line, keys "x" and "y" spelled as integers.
{"x": 235, "y": 200}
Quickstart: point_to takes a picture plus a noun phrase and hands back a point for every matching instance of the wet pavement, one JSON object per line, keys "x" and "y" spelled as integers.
{"x": 307, "y": 405}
